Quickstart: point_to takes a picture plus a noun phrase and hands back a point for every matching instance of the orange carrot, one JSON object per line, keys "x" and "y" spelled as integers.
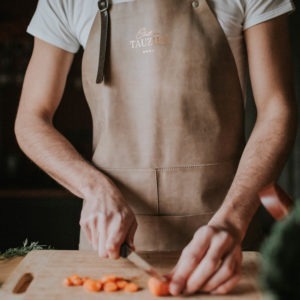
{"x": 110, "y": 287}
{"x": 76, "y": 280}
{"x": 131, "y": 287}
{"x": 121, "y": 284}
{"x": 109, "y": 278}
{"x": 84, "y": 279}
{"x": 67, "y": 282}
{"x": 92, "y": 285}
{"x": 157, "y": 287}
{"x": 109, "y": 283}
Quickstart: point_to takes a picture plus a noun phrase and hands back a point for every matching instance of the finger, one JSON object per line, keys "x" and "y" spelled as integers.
{"x": 87, "y": 231}
{"x": 226, "y": 271}
{"x": 227, "y": 286}
{"x": 102, "y": 236}
{"x": 116, "y": 236}
{"x": 94, "y": 233}
{"x": 130, "y": 236}
{"x": 210, "y": 264}
{"x": 189, "y": 259}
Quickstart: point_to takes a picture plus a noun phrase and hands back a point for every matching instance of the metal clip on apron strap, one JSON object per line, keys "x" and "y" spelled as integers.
{"x": 103, "y": 7}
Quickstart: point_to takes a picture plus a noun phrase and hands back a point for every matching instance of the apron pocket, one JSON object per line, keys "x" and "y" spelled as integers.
{"x": 138, "y": 186}
{"x": 194, "y": 189}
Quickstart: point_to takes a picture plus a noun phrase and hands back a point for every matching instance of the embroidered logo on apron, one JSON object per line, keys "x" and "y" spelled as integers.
{"x": 147, "y": 40}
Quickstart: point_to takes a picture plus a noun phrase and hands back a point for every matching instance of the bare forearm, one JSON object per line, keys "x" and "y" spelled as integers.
{"x": 53, "y": 153}
{"x": 261, "y": 163}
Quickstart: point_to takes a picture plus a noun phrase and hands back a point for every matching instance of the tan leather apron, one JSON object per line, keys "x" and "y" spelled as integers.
{"x": 168, "y": 117}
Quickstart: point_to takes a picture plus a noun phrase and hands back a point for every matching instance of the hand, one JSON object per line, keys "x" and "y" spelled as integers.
{"x": 211, "y": 263}
{"x": 108, "y": 221}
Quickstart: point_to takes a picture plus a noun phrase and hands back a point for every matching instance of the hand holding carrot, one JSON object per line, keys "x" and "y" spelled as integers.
{"x": 211, "y": 262}
{"x": 107, "y": 220}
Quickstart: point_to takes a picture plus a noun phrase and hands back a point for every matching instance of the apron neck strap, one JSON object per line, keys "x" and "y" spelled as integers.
{"x": 104, "y": 15}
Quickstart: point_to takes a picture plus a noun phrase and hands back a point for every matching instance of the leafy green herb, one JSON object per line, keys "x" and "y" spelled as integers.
{"x": 23, "y": 250}
{"x": 280, "y": 275}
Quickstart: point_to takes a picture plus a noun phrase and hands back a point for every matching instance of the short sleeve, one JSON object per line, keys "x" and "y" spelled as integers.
{"x": 258, "y": 11}
{"x": 50, "y": 23}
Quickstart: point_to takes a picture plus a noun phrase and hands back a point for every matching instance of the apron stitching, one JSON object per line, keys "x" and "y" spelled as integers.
{"x": 175, "y": 215}
{"x": 157, "y": 191}
{"x": 192, "y": 166}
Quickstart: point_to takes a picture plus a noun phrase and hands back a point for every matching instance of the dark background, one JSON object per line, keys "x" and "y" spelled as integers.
{"x": 32, "y": 205}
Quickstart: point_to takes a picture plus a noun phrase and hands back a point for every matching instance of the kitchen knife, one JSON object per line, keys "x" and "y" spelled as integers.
{"x": 138, "y": 261}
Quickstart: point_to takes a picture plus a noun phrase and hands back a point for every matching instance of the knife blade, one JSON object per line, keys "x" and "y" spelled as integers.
{"x": 138, "y": 261}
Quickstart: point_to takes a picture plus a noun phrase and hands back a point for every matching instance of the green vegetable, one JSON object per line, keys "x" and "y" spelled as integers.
{"x": 280, "y": 276}
{"x": 23, "y": 250}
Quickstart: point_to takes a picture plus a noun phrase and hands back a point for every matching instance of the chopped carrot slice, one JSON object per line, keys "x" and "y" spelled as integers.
{"x": 76, "y": 280}
{"x": 75, "y": 276}
{"x": 157, "y": 287}
{"x": 110, "y": 287}
{"x": 109, "y": 283}
{"x": 67, "y": 282}
{"x": 131, "y": 287}
{"x": 84, "y": 279}
{"x": 121, "y": 284}
{"x": 110, "y": 278}
{"x": 92, "y": 285}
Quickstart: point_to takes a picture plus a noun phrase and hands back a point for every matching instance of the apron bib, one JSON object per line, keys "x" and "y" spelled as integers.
{"x": 168, "y": 117}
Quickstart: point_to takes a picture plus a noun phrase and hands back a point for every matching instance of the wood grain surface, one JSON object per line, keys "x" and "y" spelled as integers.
{"x": 50, "y": 267}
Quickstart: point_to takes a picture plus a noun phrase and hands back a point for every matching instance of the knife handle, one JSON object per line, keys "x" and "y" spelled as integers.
{"x": 276, "y": 201}
{"x": 125, "y": 250}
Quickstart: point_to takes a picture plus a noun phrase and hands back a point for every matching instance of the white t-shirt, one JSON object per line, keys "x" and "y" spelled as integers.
{"x": 67, "y": 23}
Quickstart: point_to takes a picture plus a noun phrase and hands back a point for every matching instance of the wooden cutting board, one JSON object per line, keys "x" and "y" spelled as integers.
{"x": 50, "y": 267}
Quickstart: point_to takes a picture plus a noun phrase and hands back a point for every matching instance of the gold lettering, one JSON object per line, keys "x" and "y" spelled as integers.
{"x": 138, "y": 44}
{"x": 132, "y": 44}
{"x": 148, "y": 39}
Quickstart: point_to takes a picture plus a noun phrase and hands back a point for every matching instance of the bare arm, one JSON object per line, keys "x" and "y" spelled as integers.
{"x": 42, "y": 92}
{"x": 43, "y": 87}
{"x": 271, "y": 140}
{"x": 212, "y": 260}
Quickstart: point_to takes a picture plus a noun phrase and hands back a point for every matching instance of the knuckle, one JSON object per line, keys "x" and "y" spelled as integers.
{"x": 211, "y": 229}
{"x": 228, "y": 238}
{"x": 213, "y": 260}
{"x": 201, "y": 232}
{"x": 178, "y": 279}
{"x": 190, "y": 257}
{"x": 211, "y": 265}
{"x": 84, "y": 220}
